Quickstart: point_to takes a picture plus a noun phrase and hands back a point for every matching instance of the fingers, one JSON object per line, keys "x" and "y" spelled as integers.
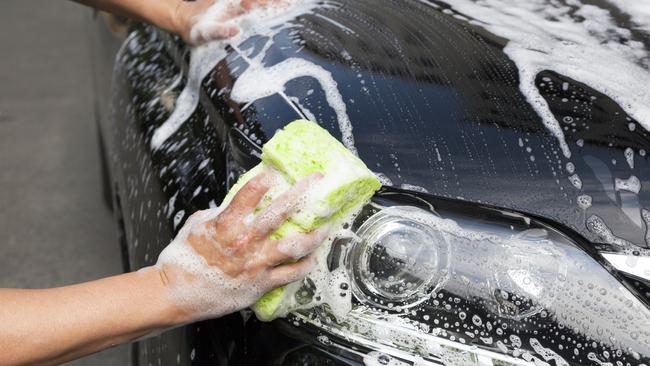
{"x": 284, "y": 206}
{"x": 211, "y": 31}
{"x": 287, "y": 273}
{"x": 248, "y": 5}
{"x": 295, "y": 246}
{"x": 202, "y": 26}
{"x": 249, "y": 196}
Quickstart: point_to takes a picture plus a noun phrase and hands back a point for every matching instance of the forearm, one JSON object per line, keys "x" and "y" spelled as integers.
{"x": 159, "y": 12}
{"x": 51, "y": 326}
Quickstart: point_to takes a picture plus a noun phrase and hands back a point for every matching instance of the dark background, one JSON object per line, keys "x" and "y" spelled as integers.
{"x": 54, "y": 227}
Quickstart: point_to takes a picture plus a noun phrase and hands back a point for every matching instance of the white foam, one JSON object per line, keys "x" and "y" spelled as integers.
{"x": 575, "y": 181}
{"x": 201, "y": 287}
{"x": 207, "y": 291}
{"x": 570, "y": 167}
{"x": 547, "y": 353}
{"x": 560, "y": 288}
{"x": 297, "y": 247}
{"x": 383, "y": 178}
{"x": 178, "y": 218}
{"x": 629, "y": 157}
{"x": 551, "y": 36}
{"x": 414, "y": 188}
{"x": 306, "y": 111}
{"x": 597, "y": 226}
{"x": 263, "y": 21}
{"x": 584, "y": 201}
{"x": 202, "y": 60}
{"x": 638, "y": 10}
{"x": 259, "y": 81}
{"x": 631, "y": 184}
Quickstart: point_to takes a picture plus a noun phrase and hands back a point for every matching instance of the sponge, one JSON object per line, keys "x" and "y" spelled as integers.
{"x": 300, "y": 149}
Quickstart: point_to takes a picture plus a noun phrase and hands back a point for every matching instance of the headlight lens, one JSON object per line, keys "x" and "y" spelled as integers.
{"x": 480, "y": 286}
{"x": 397, "y": 262}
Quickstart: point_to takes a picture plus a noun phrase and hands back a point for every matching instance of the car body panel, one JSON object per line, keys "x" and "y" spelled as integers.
{"x": 435, "y": 108}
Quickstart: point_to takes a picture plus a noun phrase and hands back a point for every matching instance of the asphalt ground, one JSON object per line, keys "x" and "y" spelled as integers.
{"x": 54, "y": 227}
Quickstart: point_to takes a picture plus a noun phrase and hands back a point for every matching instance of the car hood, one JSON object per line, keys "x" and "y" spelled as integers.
{"x": 435, "y": 106}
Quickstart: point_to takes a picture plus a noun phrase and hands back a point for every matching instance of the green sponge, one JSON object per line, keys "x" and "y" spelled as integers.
{"x": 302, "y": 148}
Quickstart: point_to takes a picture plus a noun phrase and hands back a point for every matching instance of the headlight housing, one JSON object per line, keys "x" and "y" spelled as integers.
{"x": 397, "y": 262}
{"x": 436, "y": 280}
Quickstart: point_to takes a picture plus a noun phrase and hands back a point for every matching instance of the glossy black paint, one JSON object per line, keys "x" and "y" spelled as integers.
{"x": 434, "y": 102}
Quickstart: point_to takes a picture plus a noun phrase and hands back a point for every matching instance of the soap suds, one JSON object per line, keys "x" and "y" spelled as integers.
{"x": 259, "y": 81}
{"x": 596, "y": 225}
{"x": 570, "y": 167}
{"x": 639, "y": 12}
{"x": 262, "y": 21}
{"x": 207, "y": 292}
{"x": 584, "y": 201}
{"x": 383, "y": 178}
{"x": 413, "y": 188}
{"x": 579, "y": 41}
{"x": 553, "y": 283}
{"x": 576, "y": 181}
{"x": 294, "y": 247}
{"x": 547, "y": 353}
{"x": 631, "y": 184}
{"x": 308, "y": 113}
{"x": 629, "y": 157}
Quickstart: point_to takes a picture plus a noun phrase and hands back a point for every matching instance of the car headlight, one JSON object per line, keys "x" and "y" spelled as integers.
{"x": 443, "y": 281}
{"x": 397, "y": 261}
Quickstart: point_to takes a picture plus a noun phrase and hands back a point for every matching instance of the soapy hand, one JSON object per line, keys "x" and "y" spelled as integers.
{"x": 223, "y": 260}
{"x": 202, "y": 21}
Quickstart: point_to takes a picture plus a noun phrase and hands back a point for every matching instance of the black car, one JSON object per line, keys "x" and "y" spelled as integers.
{"x": 487, "y": 245}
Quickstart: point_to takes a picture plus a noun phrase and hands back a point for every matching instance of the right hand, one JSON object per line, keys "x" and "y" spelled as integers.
{"x": 223, "y": 261}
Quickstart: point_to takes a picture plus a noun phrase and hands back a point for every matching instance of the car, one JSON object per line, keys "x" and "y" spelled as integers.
{"x": 512, "y": 227}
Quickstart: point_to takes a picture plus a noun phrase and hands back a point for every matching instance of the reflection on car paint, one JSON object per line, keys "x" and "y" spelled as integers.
{"x": 411, "y": 126}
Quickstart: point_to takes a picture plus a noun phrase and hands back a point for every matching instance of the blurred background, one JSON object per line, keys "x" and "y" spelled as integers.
{"x": 54, "y": 226}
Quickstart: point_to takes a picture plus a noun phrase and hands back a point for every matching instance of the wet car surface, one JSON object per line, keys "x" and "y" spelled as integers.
{"x": 437, "y": 112}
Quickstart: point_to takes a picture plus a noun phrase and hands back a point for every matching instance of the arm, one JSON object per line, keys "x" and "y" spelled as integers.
{"x": 51, "y": 326}
{"x": 220, "y": 262}
{"x": 179, "y": 16}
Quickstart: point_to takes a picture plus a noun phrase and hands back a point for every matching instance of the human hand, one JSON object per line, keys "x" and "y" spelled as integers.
{"x": 223, "y": 261}
{"x": 198, "y": 22}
